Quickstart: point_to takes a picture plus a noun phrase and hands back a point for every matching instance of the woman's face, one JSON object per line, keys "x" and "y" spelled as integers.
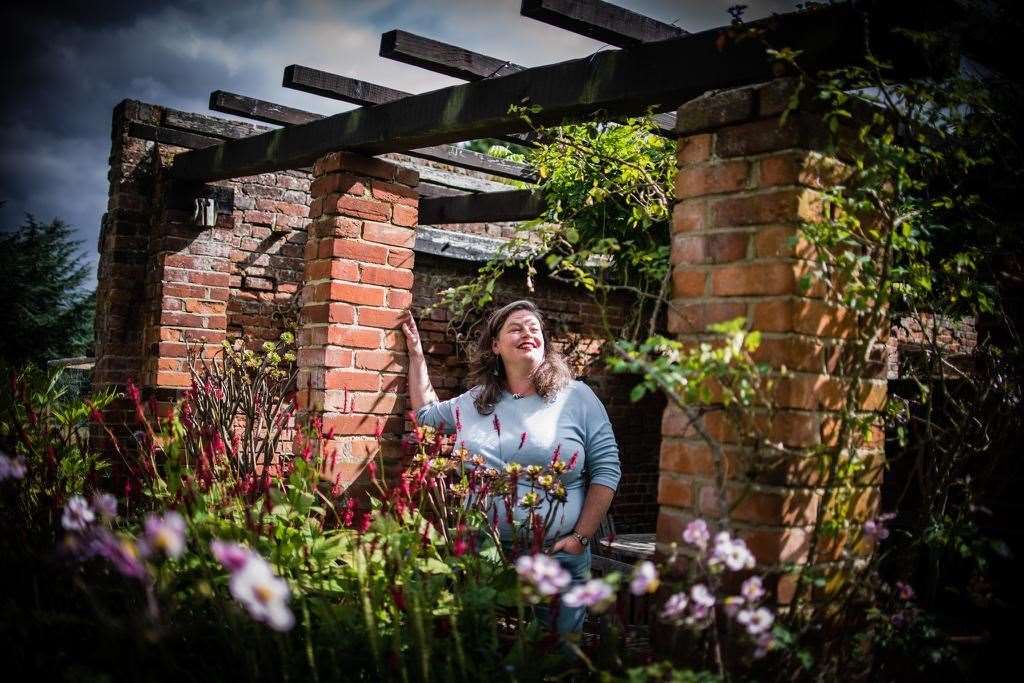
{"x": 520, "y": 339}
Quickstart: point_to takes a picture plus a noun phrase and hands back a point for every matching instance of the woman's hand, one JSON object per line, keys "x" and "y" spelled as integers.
{"x": 568, "y": 544}
{"x": 412, "y": 334}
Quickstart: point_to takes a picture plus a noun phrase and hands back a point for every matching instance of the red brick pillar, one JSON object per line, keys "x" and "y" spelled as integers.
{"x": 358, "y": 281}
{"x": 745, "y": 184}
{"x": 188, "y": 286}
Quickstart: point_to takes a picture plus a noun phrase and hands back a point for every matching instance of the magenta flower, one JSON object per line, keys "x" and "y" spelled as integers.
{"x": 645, "y": 578}
{"x": 77, "y": 514}
{"x": 232, "y": 555}
{"x": 696, "y": 534}
{"x": 166, "y": 533}
{"x": 733, "y": 553}
{"x": 596, "y": 595}
{"x": 765, "y": 641}
{"x": 906, "y": 592}
{"x": 497, "y": 424}
{"x": 876, "y": 530}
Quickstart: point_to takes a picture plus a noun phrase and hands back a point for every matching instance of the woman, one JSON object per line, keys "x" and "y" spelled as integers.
{"x": 524, "y": 405}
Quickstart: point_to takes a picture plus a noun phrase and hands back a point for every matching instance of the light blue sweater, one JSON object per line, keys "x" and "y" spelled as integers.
{"x": 574, "y": 419}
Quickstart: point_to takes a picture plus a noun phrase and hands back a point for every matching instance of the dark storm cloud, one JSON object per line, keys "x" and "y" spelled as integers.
{"x": 66, "y": 65}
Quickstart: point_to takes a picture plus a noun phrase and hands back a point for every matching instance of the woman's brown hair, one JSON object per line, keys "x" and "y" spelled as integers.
{"x": 549, "y": 378}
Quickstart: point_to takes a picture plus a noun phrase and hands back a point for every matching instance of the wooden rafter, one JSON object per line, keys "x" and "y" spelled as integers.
{"x": 268, "y": 112}
{"x": 486, "y": 207}
{"x": 336, "y": 87}
{"x": 619, "y": 82}
{"x": 458, "y": 62}
{"x": 601, "y": 21}
{"x": 442, "y": 58}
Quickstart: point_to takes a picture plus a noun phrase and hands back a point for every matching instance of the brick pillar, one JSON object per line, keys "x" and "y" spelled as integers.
{"x": 358, "y": 281}
{"x": 745, "y": 184}
{"x": 187, "y": 285}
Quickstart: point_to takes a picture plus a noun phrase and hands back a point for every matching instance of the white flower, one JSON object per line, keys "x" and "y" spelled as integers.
{"x": 756, "y": 620}
{"x": 702, "y": 596}
{"x": 752, "y": 589}
{"x": 543, "y": 573}
{"x": 696, "y": 533}
{"x": 263, "y": 594}
{"x": 166, "y": 533}
{"x": 594, "y": 594}
{"x": 674, "y": 606}
{"x": 645, "y": 578}
{"x": 77, "y": 514}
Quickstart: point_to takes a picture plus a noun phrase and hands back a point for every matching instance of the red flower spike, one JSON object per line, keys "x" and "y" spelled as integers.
{"x": 522, "y": 439}
{"x": 497, "y": 424}
{"x": 572, "y": 460}
{"x": 557, "y": 454}
{"x": 378, "y": 430}
{"x": 458, "y": 420}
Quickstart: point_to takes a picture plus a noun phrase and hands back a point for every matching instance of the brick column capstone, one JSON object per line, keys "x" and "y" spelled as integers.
{"x": 358, "y": 282}
{"x": 745, "y": 184}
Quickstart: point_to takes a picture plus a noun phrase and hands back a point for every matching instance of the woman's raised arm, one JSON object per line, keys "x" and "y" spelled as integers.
{"x": 421, "y": 392}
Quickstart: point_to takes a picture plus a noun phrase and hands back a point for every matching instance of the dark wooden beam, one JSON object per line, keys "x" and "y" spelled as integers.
{"x": 601, "y": 21}
{"x": 442, "y": 58}
{"x": 326, "y": 84}
{"x": 170, "y": 136}
{"x": 657, "y": 75}
{"x": 486, "y": 207}
{"x": 259, "y": 110}
{"x": 269, "y": 112}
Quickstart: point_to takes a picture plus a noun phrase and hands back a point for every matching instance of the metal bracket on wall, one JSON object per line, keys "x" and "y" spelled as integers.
{"x": 205, "y": 213}
{"x": 204, "y": 203}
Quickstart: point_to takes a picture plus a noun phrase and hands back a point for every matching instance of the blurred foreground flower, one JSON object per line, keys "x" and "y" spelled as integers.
{"x": 263, "y": 594}
{"x": 645, "y": 579}
{"x": 543, "y": 574}
{"x": 595, "y": 594}
{"x": 77, "y": 514}
{"x": 166, "y": 533}
{"x": 12, "y": 468}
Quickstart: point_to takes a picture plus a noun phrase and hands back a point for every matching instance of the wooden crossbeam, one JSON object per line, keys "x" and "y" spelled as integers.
{"x": 326, "y": 84}
{"x": 268, "y": 112}
{"x": 618, "y": 82}
{"x": 450, "y": 60}
{"x": 601, "y": 21}
{"x": 486, "y": 207}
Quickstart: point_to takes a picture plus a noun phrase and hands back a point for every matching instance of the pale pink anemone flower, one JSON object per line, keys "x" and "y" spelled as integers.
{"x": 77, "y": 514}
{"x": 674, "y": 606}
{"x": 105, "y": 504}
{"x": 752, "y": 589}
{"x": 596, "y": 595}
{"x": 166, "y": 533}
{"x": 263, "y": 594}
{"x": 645, "y": 579}
{"x": 232, "y": 555}
{"x": 543, "y": 574}
{"x": 12, "y": 468}
{"x": 756, "y": 620}
{"x": 733, "y": 553}
{"x": 702, "y": 596}
{"x": 696, "y": 533}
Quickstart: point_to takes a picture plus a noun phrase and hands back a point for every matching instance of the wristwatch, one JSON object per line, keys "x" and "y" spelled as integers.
{"x": 584, "y": 540}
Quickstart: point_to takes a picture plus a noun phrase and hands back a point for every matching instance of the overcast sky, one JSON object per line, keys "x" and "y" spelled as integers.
{"x": 67, "y": 64}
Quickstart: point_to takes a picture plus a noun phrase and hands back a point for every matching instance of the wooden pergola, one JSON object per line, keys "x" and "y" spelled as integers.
{"x": 656, "y": 67}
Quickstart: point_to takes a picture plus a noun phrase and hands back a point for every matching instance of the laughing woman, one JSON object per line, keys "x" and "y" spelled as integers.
{"x": 520, "y": 382}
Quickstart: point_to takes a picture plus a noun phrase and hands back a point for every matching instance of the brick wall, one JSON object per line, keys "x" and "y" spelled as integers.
{"x": 745, "y": 183}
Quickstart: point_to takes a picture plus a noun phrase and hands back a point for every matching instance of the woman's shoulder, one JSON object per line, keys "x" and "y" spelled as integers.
{"x": 581, "y": 391}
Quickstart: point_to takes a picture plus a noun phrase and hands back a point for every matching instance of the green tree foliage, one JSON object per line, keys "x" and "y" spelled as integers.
{"x": 46, "y": 313}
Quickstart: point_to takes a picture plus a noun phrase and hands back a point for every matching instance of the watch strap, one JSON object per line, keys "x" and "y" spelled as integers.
{"x": 584, "y": 541}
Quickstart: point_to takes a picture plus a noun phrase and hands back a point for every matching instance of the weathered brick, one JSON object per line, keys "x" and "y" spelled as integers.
{"x": 675, "y": 491}
{"x": 366, "y": 209}
{"x": 391, "y": 277}
{"x": 388, "y": 234}
{"x": 689, "y": 215}
{"x": 760, "y": 278}
{"x": 694, "y": 149}
{"x": 684, "y": 317}
{"x": 353, "y": 380}
{"x": 401, "y": 258}
{"x": 717, "y": 109}
{"x": 357, "y": 293}
{"x": 706, "y": 179}
{"x": 405, "y": 215}
{"x": 778, "y": 206}
{"x": 381, "y": 360}
{"x": 687, "y": 282}
{"x": 354, "y": 337}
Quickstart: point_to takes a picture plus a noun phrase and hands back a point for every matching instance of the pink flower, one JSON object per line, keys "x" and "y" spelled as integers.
{"x": 756, "y": 620}
{"x": 645, "y": 579}
{"x": 105, "y": 504}
{"x": 232, "y": 555}
{"x": 166, "y": 533}
{"x": 77, "y": 514}
{"x": 733, "y": 553}
{"x": 906, "y": 592}
{"x": 263, "y": 594}
{"x": 696, "y": 534}
{"x": 12, "y": 468}
{"x": 875, "y": 529}
{"x": 674, "y": 606}
{"x": 120, "y": 552}
{"x": 702, "y": 596}
{"x": 752, "y": 589}
{"x": 543, "y": 574}
{"x": 596, "y": 595}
